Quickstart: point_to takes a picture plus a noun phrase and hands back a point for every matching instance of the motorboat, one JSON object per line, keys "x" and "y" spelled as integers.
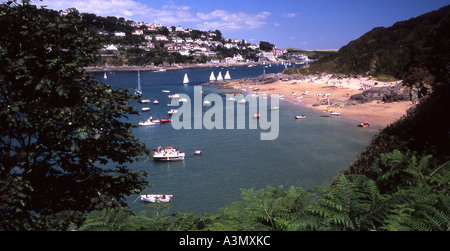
{"x": 242, "y": 101}
{"x": 335, "y": 113}
{"x": 206, "y": 103}
{"x": 300, "y": 117}
{"x": 198, "y": 152}
{"x": 148, "y": 122}
{"x": 305, "y": 93}
{"x": 173, "y": 111}
{"x": 257, "y": 115}
{"x": 155, "y": 102}
{"x": 231, "y": 99}
{"x": 166, "y": 91}
{"x": 152, "y": 198}
{"x": 145, "y": 101}
{"x": 174, "y": 96}
{"x": 169, "y": 154}
{"x": 145, "y": 109}
{"x": 164, "y": 120}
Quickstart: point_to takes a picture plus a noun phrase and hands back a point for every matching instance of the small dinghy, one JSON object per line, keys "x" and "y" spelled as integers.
{"x": 365, "y": 124}
{"x": 152, "y": 198}
{"x": 300, "y": 117}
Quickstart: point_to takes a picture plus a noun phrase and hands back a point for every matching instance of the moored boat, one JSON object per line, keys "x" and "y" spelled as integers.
{"x": 152, "y": 198}
{"x": 148, "y": 122}
{"x": 169, "y": 154}
{"x": 186, "y": 79}
{"x": 172, "y": 111}
{"x": 300, "y": 117}
{"x": 145, "y": 101}
{"x": 365, "y": 124}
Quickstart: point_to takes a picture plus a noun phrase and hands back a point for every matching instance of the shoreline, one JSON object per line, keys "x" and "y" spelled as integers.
{"x": 308, "y": 92}
{"x": 160, "y": 68}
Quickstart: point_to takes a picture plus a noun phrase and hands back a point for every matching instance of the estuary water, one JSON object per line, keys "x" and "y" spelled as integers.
{"x": 308, "y": 152}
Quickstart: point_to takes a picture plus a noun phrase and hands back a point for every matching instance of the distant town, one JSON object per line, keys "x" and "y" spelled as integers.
{"x": 130, "y": 43}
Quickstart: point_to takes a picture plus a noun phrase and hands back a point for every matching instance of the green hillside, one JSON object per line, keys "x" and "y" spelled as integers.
{"x": 416, "y": 48}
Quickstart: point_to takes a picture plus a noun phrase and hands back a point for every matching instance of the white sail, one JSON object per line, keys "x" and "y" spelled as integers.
{"x": 212, "y": 78}
{"x": 220, "y": 78}
{"x": 186, "y": 79}
{"x": 227, "y": 76}
{"x": 104, "y": 76}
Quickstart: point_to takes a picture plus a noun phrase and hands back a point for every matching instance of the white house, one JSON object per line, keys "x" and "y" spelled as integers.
{"x": 111, "y": 47}
{"x": 138, "y": 32}
{"x": 177, "y": 40}
{"x": 229, "y": 46}
{"x": 179, "y": 29}
{"x": 159, "y": 37}
{"x": 254, "y": 46}
{"x": 184, "y": 52}
{"x": 119, "y": 34}
{"x": 238, "y": 58}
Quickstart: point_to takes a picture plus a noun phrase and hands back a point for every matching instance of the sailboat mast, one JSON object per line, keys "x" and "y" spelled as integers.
{"x": 139, "y": 81}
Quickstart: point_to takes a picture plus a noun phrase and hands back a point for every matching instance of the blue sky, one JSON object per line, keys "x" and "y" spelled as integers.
{"x": 304, "y": 24}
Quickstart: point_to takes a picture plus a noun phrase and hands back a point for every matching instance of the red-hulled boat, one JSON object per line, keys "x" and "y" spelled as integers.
{"x": 365, "y": 124}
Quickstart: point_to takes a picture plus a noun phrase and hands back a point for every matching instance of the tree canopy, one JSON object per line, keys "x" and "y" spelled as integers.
{"x": 64, "y": 145}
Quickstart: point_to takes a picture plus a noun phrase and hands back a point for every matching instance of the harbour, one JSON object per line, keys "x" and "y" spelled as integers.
{"x": 308, "y": 152}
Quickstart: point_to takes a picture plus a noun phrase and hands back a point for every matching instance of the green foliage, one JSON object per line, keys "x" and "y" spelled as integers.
{"x": 63, "y": 144}
{"x": 419, "y": 43}
{"x": 352, "y": 203}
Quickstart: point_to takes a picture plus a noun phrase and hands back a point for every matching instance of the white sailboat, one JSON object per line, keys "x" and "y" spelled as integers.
{"x": 186, "y": 79}
{"x": 227, "y": 76}
{"x": 104, "y": 76}
{"x": 138, "y": 91}
{"x": 212, "y": 78}
{"x": 220, "y": 78}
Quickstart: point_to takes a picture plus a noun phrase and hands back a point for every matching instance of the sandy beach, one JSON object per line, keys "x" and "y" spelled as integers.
{"x": 309, "y": 91}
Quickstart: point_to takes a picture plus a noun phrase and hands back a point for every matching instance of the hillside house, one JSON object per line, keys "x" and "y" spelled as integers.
{"x": 119, "y": 34}
{"x": 159, "y": 37}
{"x": 138, "y": 32}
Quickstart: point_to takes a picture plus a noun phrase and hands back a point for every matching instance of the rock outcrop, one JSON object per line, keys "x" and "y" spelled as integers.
{"x": 383, "y": 94}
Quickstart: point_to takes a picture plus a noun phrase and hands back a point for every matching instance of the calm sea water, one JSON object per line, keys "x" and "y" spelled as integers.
{"x": 308, "y": 152}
